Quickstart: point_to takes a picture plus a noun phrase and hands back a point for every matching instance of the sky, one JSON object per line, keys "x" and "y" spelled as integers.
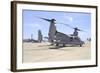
{"x": 31, "y": 23}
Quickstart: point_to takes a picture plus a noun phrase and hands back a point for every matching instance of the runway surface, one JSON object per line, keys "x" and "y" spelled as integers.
{"x": 43, "y": 52}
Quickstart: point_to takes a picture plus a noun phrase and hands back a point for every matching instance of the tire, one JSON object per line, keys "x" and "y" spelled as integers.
{"x": 63, "y": 45}
{"x": 57, "y": 44}
{"x": 80, "y": 45}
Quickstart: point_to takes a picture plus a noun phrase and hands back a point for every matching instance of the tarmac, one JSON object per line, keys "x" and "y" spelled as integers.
{"x": 43, "y": 52}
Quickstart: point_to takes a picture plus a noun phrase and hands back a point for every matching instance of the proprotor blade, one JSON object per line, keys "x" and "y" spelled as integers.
{"x": 44, "y": 19}
{"x": 66, "y": 25}
{"x": 77, "y": 29}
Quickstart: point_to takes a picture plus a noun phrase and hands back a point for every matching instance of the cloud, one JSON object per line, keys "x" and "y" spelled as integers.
{"x": 69, "y": 18}
{"x": 34, "y": 25}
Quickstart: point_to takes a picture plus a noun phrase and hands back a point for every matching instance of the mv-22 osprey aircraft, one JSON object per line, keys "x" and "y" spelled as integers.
{"x": 58, "y": 38}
